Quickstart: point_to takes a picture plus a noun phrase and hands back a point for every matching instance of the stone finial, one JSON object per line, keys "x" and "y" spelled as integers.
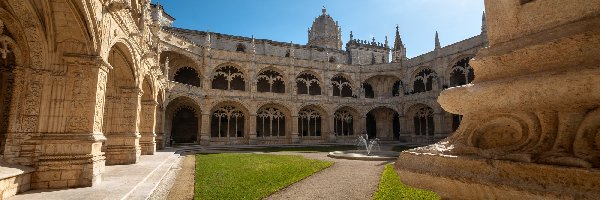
{"x": 324, "y": 10}
{"x": 483, "y": 23}
{"x": 253, "y": 45}
{"x": 351, "y": 36}
{"x": 437, "y": 41}
{"x": 386, "y": 41}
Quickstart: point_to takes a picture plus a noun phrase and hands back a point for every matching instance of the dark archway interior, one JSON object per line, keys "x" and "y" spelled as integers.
{"x": 457, "y": 76}
{"x": 371, "y": 126}
{"x": 424, "y": 126}
{"x": 270, "y": 81}
{"x": 396, "y": 89}
{"x": 308, "y": 84}
{"x": 396, "y": 126}
{"x": 456, "y": 121}
{"x": 343, "y": 83}
{"x": 369, "y": 93}
{"x": 185, "y": 126}
{"x": 229, "y": 78}
{"x": 420, "y": 85}
{"x": 187, "y": 75}
{"x": 7, "y": 64}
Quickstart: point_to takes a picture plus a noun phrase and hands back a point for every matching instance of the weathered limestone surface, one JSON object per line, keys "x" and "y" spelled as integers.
{"x": 531, "y": 123}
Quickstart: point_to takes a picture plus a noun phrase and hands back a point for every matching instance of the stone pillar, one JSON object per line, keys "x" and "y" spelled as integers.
{"x": 404, "y": 131}
{"x": 438, "y": 121}
{"x": 160, "y": 128}
{"x": 384, "y": 125}
{"x": 252, "y": 126}
{"x": 205, "y": 129}
{"x": 331, "y": 136}
{"x": 69, "y": 151}
{"x": 363, "y": 127}
{"x": 295, "y": 135}
{"x": 147, "y": 127}
{"x": 123, "y": 140}
{"x": 199, "y": 130}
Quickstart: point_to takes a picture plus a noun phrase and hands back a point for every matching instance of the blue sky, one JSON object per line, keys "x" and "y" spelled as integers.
{"x": 289, "y": 20}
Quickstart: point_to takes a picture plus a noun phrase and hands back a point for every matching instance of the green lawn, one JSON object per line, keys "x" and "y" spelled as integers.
{"x": 249, "y": 176}
{"x": 308, "y": 149}
{"x": 390, "y": 187}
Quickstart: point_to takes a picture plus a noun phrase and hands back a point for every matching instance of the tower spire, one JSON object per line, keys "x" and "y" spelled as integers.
{"x": 399, "y": 52}
{"x": 437, "y": 41}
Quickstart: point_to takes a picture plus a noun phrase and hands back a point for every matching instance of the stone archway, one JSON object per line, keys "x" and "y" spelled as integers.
{"x": 121, "y": 109}
{"x": 183, "y": 121}
{"x": 8, "y": 62}
{"x": 383, "y": 123}
{"x": 148, "y": 119}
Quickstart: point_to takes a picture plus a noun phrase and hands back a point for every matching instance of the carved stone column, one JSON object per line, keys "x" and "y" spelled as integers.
{"x": 160, "y": 128}
{"x": 69, "y": 151}
{"x": 295, "y": 135}
{"x": 384, "y": 119}
{"x": 438, "y": 121}
{"x": 205, "y": 129}
{"x": 331, "y": 137}
{"x": 252, "y": 129}
{"x": 147, "y": 127}
{"x": 531, "y": 125}
{"x": 404, "y": 128}
{"x": 123, "y": 138}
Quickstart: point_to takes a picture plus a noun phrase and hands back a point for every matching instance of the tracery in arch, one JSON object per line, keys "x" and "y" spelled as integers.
{"x": 270, "y": 122}
{"x": 270, "y": 81}
{"x": 227, "y": 122}
{"x": 309, "y": 121}
{"x": 423, "y": 81}
{"x": 423, "y": 119}
{"x": 397, "y": 89}
{"x": 229, "y": 78}
{"x": 308, "y": 84}
{"x": 462, "y": 73}
{"x": 341, "y": 86}
{"x": 187, "y": 75}
{"x": 343, "y": 123}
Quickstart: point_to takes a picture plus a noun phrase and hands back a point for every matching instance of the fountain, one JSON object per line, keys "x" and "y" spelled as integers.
{"x": 363, "y": 143}
{"x": 366, "y": 150}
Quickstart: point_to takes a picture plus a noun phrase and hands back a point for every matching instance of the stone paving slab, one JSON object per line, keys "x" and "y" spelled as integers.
{"x": 135, "y": 181}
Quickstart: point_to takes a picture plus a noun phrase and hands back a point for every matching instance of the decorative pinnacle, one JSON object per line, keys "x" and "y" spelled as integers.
{"x": 324, "y": 10}
{"x": 437, "y": 41}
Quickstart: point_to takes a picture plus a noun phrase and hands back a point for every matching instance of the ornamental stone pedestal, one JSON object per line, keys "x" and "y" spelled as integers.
{"x": 531, "y": 126}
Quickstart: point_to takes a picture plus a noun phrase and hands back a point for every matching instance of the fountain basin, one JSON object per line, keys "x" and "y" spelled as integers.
{"x": 362, "y": 155}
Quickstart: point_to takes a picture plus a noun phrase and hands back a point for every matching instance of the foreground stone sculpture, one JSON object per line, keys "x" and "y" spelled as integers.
{"x": 531, "y": 126}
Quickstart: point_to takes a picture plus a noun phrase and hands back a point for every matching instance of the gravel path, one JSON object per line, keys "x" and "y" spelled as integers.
{"x": 346, "y": 179}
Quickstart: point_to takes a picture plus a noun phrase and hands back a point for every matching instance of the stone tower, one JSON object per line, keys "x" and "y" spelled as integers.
{"x": 325, "y": 32}
{"x": 399, "y": 51}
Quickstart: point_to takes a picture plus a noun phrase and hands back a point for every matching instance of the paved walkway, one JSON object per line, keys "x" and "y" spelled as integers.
{"x": 346, "y": 179}
{"x": 135, "y": 181}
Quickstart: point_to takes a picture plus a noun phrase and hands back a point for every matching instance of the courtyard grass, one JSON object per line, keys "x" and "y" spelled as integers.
{"x": 390, "y": 187}
{"x": 249, "y": 176}
{"x": 308, "y": 149}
